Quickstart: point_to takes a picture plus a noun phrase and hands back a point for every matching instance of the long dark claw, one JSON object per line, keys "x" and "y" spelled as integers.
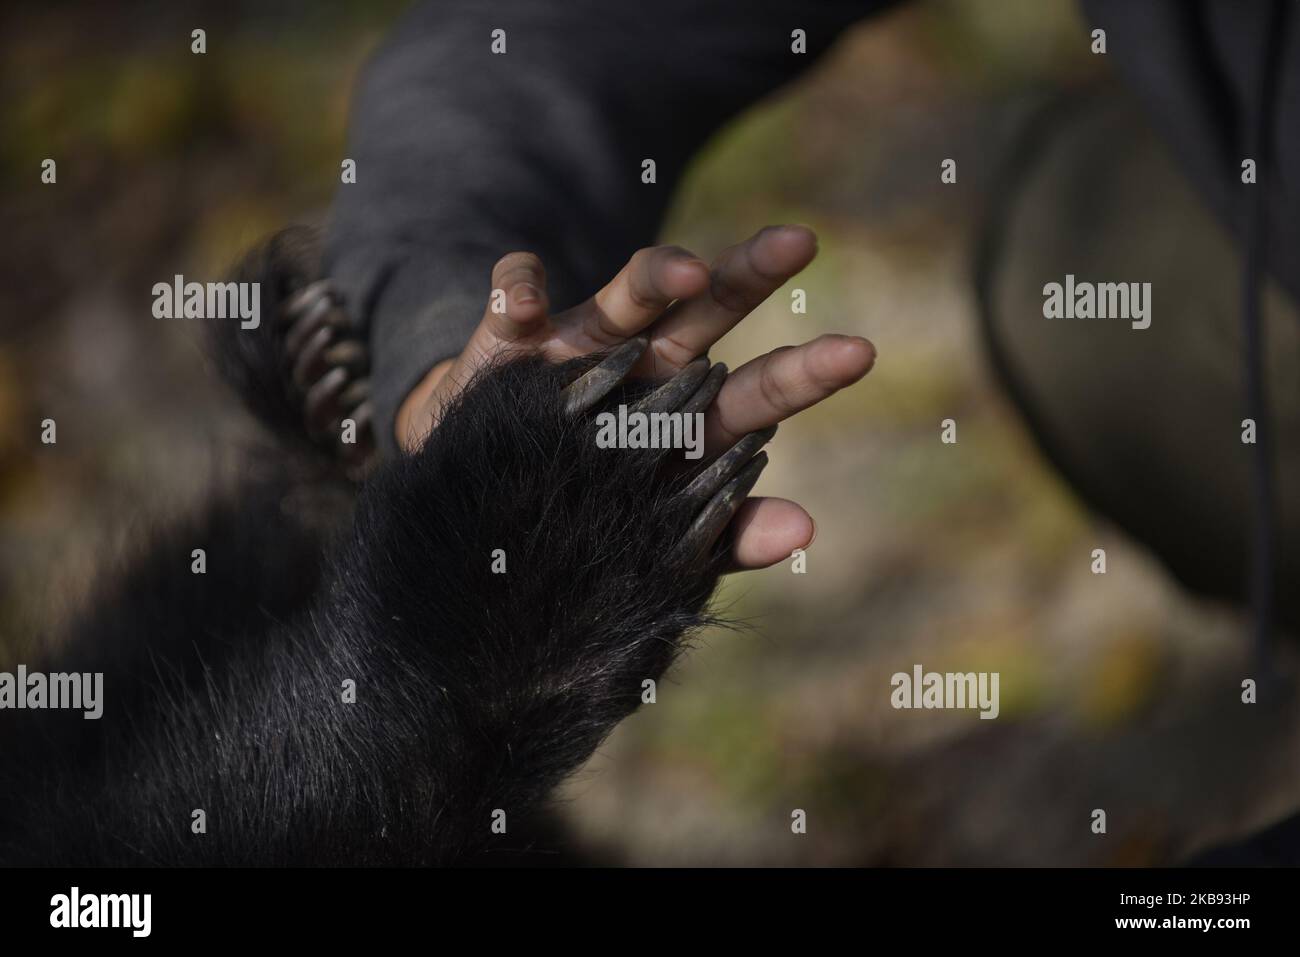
{"x": 720, "y": 510}
{"x": 363, "y": 415}
{"x": 310, "y": 364}
{"x": 315, "y": 316}
{"x": 351, "y": 354}
{"x": 593, "y": 385}
{"x": 670, "y": 396}
{"x": 708, "y": 390}
{"x": 321, "y": 405}
{"x": 358, "y": 391}
{"x": 704, "y": 485}
{"x": 327, "y": 366}
{"x": 305, "y": 298}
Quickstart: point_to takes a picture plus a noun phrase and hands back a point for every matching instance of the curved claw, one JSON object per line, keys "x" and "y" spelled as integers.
{"x": 721, "y": 509}
{"x": 351, "y": 354}
{"x": 596, "y": 383}
{"x": 321, "y": 405}
{"x": 708, "y": 390}
{"x": 305, "y": 298}
{"x": 310, "y": 363}
{"x": 358, "y": 391}
{"x": 670, "y": 396}
{"x": 704, "y": 485}
{"x": 316, "y": 313}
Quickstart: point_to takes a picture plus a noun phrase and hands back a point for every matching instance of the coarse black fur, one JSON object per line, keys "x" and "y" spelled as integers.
{"x": 476, "y": 692}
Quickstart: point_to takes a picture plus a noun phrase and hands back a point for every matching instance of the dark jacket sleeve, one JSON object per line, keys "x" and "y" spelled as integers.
{"x": 1221, "y": 82}
{"x": 464, "y": 154}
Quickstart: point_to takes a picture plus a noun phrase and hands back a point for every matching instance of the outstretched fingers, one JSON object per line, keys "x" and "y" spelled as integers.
{"x": 651, "y": 281}
{"x": 775, "y": 386}
{"x": 740, "y": 279}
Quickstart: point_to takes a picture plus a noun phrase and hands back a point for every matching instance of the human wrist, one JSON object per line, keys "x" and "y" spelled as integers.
{"x": 411, "y": 424}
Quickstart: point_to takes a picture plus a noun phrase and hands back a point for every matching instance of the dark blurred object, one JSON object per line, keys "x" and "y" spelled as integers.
{"x": 1145, "y": 424}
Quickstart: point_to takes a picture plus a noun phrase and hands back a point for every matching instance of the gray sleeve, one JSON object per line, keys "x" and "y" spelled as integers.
{"x": 464, "y": 154}
{"x": 1200, "y": 69}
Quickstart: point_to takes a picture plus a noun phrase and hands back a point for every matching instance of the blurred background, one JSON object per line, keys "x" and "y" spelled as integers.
{"x": 1118, "y": 691}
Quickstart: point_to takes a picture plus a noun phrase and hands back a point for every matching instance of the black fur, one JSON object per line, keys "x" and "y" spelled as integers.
{"x": 475, "y": 691}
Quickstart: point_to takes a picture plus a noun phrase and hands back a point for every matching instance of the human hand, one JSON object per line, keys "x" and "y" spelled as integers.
{"x": 684, "y": 306}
